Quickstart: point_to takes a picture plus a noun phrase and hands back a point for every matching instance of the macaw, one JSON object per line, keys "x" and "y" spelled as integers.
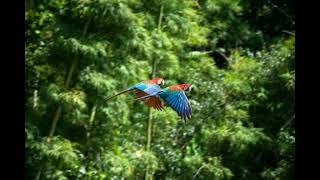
{"x": 175, "y": 97}
{"x": 145, "y": 88}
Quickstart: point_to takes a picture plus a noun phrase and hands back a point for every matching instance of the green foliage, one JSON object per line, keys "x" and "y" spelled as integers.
{"x": 61, "y": 156}
{"x": 79, "y": 51}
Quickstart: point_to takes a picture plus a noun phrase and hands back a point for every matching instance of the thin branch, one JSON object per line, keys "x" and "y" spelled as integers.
{"x": 287, "y": 123}
{"x": 198, "y": 171}
{"x": 288, "y": 32}
{"x": 223, "y": 55}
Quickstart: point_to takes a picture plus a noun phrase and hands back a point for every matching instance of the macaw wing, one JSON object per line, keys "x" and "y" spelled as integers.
{"x": 144, "y": 89}
{"x": 178, "y": 101}
{"x": 153, "y": 101}
{"x": 147, "y": 87}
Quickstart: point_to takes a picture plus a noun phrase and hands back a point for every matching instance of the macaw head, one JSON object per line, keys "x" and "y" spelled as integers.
{"x": 158, "y": 81}
{"x": 186, "y": 87}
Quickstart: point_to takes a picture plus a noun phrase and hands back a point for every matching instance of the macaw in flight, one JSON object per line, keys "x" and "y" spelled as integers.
{"x": 145, "y": 88}
{"x": 175, "y": 97}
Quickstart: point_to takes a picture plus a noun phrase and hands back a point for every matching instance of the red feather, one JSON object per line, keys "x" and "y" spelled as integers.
{"x": 179, "y": 87}
{"x": 153, "y": 101}
{"x": 153, "y": 81}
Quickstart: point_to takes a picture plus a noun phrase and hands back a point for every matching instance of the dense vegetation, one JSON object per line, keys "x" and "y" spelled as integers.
{"x": 238, "y": 54}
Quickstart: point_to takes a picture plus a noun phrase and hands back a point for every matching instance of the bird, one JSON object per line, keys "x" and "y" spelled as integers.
{"x": 145, "y": 88}
{"x": 175, "y": 97}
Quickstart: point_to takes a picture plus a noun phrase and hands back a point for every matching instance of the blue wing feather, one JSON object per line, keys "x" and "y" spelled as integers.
{"x": 183, "y": 107}
{"x": 174, "y": 102}
{"x": 186, "y": 107}
{"x": 178, "y": 101}
{"x": 147, "y": 88}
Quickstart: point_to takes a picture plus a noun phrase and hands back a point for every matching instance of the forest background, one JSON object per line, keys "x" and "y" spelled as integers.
{"x": 238, "y": 54}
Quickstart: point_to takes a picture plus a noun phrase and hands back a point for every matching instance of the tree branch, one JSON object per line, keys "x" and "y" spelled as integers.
{"x": 198, "y": 171}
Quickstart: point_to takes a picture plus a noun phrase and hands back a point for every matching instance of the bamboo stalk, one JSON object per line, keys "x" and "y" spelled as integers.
{"x": 93, "y": 113}
{"x": 160, "y": 18}
{"x": 59, "y": 109}
{"x": 38, "y": 174}
{"x": 67, "y": 84}
{"x": 91, "y": 119}
{"x": 148, "y": 175}
{"x": 149, "y": 132}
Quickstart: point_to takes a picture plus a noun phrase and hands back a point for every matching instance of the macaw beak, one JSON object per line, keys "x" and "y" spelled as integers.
{"x": 188, "y": 88}
{"x": 162, "y": 83}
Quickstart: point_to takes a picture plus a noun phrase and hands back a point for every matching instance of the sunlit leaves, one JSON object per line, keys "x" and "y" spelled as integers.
{"x": 96, "y": 82}
{"x": 60, "y": 152}
{"x": 117, "y": 165}
{"x": 212, "y": 168}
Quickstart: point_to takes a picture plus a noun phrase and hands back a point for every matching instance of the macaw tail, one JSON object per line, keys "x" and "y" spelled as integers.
{"x": 117, "y": 94}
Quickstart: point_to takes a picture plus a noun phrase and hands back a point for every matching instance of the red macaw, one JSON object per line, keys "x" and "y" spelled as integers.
{"x": 175, "y": 97}
{"x": 145, "y": 88}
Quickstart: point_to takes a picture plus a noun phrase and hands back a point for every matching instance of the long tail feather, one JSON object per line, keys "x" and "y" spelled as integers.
{"x": 143, "y": 97}
{"x": 117, "y": 94}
